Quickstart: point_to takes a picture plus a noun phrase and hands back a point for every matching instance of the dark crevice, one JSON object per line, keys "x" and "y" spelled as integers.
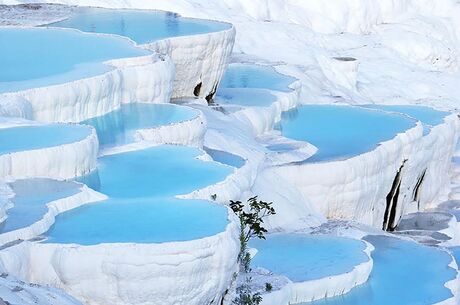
{"x": 417, "y": 188}
{"x": 223, "y": 297}
{"x": 197, "y": 89}
{"x": 391, "y": 221}
{"x": 392, "y": 202}
{"x": 211, "y": 94}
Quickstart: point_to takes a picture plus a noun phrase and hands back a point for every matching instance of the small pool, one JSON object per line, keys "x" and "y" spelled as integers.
{"x": 404, "y": 273}
{"x": 341, "y": 132}
{"x": 428, "y": 116}
{"x": 225, "y": 157}
{"x": 308, "y": 257}
{"x": 31, "y": 198}
{"x": 141, "y": 208}
{"x": 142, "y": 26}
{"x": 23, "y": 138}
{"x": 118, "y": 127}
{"x": 37, "y": 57}
{"x": 255, "y": 76}
{"x": 245, "y": 97}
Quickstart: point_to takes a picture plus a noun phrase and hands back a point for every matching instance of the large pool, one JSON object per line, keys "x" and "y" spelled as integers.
{"x": 142, "y": 26}
{"x": 428, "y": 116}
{"x": 141, "y": 185}
{"x": 118, "y": 127}
{"x": 341, "y": 132}
{"x": 23, "y": 138}
{"x": 255, "y": 76}
{"x": 37, "y": 57}
{"x": 308, "y": 257}
{"x": 31, "y": 197}
{"x": 404, "y": 273}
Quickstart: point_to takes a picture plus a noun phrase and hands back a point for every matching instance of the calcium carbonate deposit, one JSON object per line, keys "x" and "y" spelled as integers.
{"x": 204, "y": 152}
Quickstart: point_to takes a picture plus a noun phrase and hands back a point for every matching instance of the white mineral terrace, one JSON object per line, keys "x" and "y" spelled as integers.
{"x": 126, "y": 129}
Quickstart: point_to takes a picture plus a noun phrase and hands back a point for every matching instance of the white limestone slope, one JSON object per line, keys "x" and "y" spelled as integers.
{"x": 16, "y": 292}
{"x": 192, "y": 272}
{"x": 145, "y": 79}
{"x": 330, "y": 286}
{"x": 59, "y": 162}
{"x": 84, "y": 196}
{"x": 200, "y": 60}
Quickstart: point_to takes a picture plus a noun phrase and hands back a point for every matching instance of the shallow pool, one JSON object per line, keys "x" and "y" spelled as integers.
{"x": 37, "y": 57}
{"x": 341, "y": 132}
{"x": 118, "y": 127}
{"x": 245, "y": 97}
{"x": 142, "y": 208}
{"x": 31, "y": 197}
{"x": 255, "y": 76}
{"x": 225, "y": 157}
{"x": 142, "y": 26}
{"x": 23, "y": 138}
{"x": 405, "y": 273}
{"x": 308, "y": 257}
{"x": 427, "y": 115}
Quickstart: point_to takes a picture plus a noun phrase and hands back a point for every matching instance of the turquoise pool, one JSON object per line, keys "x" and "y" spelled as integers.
{"x": 141, "y": 185}
{"x": 37, "y": 57}
{"x": 308, "y": 257}
{"x": 245, "y": 97}
{"x": 405, "y": 273}
{"x": 31, "y": 197}
{"x": 428, "y": 116}
{"x": 341, "y": 132}
{"x": 142, "y": 26}
{"x": 118, "y": 127}
{"x": 225, "y": 157}
{"x": 255, "y": 76}
{"x": 23, "y": 138}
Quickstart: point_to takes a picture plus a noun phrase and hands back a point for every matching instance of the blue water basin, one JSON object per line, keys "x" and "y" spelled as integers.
{"x": 118, "y": 127}
{"x": 142, "y": 26}
{"x": 37, "y": 57}
{"x": 428, "y": 116}
{"x": 142, "y": 208}
{"x": 31, "y": 197}
{"x": 255, "y": 76}
{"x": 245, "y": 97}
{"x": 23, "y": 138}
{"x": 341, "y": 132}
{"x": 404, "y": 273}
{"x": 225, "y": 157}
{"x": 308, "y": 257}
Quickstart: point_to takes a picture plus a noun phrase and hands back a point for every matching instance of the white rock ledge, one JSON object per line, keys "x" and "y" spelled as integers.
{"x": 84, "y": 196}
{"x": 58, "y": 162}
{"x": 294, "y": 293}
{"x": 189, "y": 133}
{"x": 192, "y": 272}
{"x": 198, "y": 59}
{"x": 354, "y": 188}
{"x": 263, "y": 119}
